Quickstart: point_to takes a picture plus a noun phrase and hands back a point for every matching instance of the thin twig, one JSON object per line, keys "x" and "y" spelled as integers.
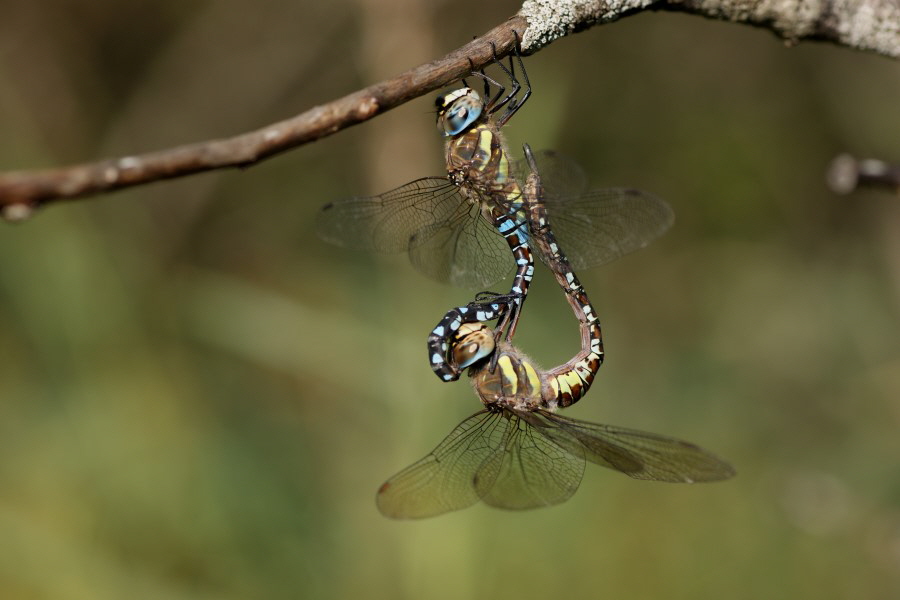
{"x": 23, "y": 191}
{"x": 872, "y": 25}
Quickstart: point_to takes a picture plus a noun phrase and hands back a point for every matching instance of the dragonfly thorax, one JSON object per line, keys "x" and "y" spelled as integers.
{"x": 458, "y": 110}
{"x": 514, "y": 383}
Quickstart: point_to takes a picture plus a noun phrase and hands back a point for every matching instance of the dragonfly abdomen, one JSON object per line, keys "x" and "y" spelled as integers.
{"x": 476, "y": 160}
{"x": 567, "y": 383}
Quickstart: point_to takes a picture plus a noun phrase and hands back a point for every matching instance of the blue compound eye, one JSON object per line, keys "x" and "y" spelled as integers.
{"x": 458, "y": 111}
{"x": 459, "y": 119}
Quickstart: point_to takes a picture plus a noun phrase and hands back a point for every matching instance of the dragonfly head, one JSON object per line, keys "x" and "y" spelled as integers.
{"x": 458, "y": 110}
{"x": 471, "y": 343}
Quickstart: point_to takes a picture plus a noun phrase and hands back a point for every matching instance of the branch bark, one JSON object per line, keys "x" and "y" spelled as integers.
{"x": 871, "y": 25}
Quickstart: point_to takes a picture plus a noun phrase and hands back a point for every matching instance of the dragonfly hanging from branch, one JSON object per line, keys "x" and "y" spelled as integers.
{"x": 456, "y": 227}
{"x": 517, "y": 452}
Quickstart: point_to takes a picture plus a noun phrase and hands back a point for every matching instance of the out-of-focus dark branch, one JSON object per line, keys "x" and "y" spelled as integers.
{"x": 846, "y": 174}
{"x": 872, "y": 25}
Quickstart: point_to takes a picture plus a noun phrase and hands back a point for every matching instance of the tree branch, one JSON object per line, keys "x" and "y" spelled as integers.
{"x": 23, "y": 191}
{"x": 872, "y": 25}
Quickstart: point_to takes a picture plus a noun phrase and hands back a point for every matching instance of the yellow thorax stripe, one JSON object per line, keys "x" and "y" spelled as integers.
{"x": 534, "y": 381}
{"x": 509, "y": 380}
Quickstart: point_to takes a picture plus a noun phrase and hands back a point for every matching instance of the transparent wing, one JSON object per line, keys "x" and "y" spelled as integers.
{"x": 603, "y": 225}
{"x": 445, "y": 479}
{"x": 638, "y": 454}
{"x": 387, "y": 222}
{"x": 561, "y": 176}
{"x": 465, "y": 251}
{"x": 430, "y": 218}
{"x": 532, "y": 470}
{"x": 598, "y": 226}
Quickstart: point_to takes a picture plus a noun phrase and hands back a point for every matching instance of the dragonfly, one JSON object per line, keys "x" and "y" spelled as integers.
{"x": 459, "y": 228}
{"x": 456, "y": 228}
{"x": 518, "y": 452}
{"x": 601, "y": 224}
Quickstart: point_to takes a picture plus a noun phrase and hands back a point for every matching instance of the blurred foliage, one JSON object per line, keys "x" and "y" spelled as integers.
{"x": 199, "y": 398}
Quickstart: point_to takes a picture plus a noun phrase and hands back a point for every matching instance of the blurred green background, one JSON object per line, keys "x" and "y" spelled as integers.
{"x": 198, "y": 398}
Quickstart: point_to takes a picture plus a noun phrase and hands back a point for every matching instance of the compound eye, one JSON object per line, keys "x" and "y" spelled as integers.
{"x": 475, "y": 343}
{"x": 461, "y": 112}
{"x": 457, "y": 120}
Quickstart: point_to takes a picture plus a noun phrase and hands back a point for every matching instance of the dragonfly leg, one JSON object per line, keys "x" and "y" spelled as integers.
{"x": 487, "y": 84}
{"x": 508, "y": 322}
{"x": 496, "y": 104}
{"x": 514, "y": 103}
{"x": 475, "y": 72}
{"x": 491, "y": 104}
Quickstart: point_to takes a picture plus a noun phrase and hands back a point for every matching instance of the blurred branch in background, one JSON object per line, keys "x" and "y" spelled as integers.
{"x": 872, "y": 25}
{"x": 846, "y": 174}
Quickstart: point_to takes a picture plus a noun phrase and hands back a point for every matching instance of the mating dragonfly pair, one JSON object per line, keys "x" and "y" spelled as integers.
{"x": 517, "y": 452}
